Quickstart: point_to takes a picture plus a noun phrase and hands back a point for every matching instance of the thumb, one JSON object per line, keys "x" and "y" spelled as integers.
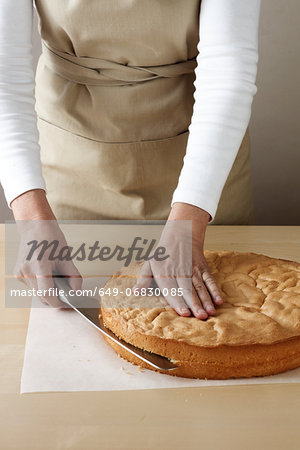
{"x": 69, "y": 270}
{"x": 145, "y": 277}
{"x": 45, "y": 284}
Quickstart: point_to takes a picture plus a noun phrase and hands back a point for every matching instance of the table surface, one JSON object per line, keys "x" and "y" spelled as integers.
{"x": 229, "y": 417}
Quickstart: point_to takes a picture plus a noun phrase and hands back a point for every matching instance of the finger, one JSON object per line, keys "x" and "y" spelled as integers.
{"x": 191, "y": 298}
{"x": 44, "y": 302}
{"x": 46, "y": 285}
{"x": 145, "y": 277}
{"x": 212, "y": 287}
{"x": 18, "y": 274}
{"x": 187, "y": 288}
{"x": 26, "y": 277}
{"x": 70, "y": 271}
{"x": 203, "y": 294}
{"x": 168, "y": 287}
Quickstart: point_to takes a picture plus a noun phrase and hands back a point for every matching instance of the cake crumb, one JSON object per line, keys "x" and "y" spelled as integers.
{"x": 122, "y": 368}
{"x": 140, "y": 369}
{"x": 79, "y": 360}
{"x": 128, "y": 373}
{"x": 88, "y": 360}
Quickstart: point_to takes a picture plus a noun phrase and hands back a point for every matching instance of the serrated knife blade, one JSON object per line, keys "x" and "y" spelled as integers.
{"x": 90, "y": 312}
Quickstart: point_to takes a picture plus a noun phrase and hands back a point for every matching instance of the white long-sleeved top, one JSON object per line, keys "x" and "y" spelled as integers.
{"x": 224, "y": 89}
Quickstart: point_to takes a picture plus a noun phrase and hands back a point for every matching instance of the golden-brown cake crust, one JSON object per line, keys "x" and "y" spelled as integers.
{"x": 255, "y": 332}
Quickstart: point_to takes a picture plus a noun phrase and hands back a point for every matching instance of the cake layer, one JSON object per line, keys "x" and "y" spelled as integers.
{"x": 255, "y": 332}
{"x": 247, "y": 361}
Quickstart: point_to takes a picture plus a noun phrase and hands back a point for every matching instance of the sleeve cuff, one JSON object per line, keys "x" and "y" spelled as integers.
{"x": 18, "y": 189}
{"x": 197, "y": 199}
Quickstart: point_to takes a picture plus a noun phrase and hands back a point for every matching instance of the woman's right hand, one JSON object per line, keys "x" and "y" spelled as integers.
{"x": 36, "y": 222}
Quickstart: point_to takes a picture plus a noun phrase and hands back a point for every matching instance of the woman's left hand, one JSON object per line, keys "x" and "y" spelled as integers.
{"x": 186, "y": 268}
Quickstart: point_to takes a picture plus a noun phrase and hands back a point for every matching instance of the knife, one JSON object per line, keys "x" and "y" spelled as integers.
{"x": 91, "y": 311}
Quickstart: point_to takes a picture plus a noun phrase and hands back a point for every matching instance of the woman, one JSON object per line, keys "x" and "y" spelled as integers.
{"x": 124, "y": 91}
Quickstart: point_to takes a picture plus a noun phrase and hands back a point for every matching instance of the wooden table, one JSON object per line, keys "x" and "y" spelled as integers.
{"x": 241, "y": 417}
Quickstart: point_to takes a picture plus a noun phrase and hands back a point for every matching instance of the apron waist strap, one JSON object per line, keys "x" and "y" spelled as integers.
{"x": 102, "y": 72}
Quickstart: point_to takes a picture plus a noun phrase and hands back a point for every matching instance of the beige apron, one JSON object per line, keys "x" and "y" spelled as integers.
{"x": 114, "y": 99}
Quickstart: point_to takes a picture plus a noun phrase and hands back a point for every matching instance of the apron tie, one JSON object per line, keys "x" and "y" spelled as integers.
{"x": 102, "y": 72}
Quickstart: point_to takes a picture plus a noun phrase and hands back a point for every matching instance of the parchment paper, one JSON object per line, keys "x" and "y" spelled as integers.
{"x": 65, "y": 353}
